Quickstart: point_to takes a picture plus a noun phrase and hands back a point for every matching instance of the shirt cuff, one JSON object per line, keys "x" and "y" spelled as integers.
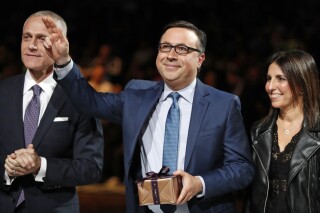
{"x": 62, "y": 72}
{"x": 203, "y": 193}
{"x": 8, "y": 179}
{"x": 42, "y": 171}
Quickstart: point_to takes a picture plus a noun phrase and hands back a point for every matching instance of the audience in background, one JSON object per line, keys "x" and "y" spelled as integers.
{"x": 244, "y": 38}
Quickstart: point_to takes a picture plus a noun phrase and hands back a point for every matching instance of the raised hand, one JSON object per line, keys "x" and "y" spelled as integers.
{"x": 56, "y": 44}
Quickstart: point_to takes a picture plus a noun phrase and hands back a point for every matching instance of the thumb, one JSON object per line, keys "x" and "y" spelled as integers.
{"x": 30, "y": 146}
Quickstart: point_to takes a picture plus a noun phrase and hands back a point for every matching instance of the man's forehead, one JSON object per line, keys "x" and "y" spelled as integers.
{"x": 35, "y": 26}
{"x": 179, "y": 35}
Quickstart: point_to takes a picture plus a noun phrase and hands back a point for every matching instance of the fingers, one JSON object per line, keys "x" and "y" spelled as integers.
{"x": 55, "y": 33}
{"x": 49, "y": 23}
{"x": 26, "y": 157}
{"x": 20, "y": 151}
{"x": 53, "y": 28}
{"x": 56, "y": 43}
{"x": 26, "y": 160}
{"x": 10, "y": 172}
{"x": 30, "y": 146}
{"x": 11, "y": 162}
{"x": 22, "y": 161}
{"x": 190, "y": 188}
{"x": 12, "y": 167}
{"x": 47, "y": 43}
{"x": 25, "y": 163}
{"x": 15, "y": 171}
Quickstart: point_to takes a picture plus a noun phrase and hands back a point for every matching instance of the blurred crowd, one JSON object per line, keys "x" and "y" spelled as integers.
{"x": 116, "y": 41}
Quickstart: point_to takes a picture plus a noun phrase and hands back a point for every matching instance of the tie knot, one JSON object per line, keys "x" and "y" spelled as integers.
{"x": 36, "y": 90}
{"x": 175, "y": 97}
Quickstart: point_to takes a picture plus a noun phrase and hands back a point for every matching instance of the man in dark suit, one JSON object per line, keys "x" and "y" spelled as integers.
{"x": 67, "y": 147}
{"x": 213, "y": 152}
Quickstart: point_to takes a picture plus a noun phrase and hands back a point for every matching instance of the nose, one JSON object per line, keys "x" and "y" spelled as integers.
{"x": 270, "y": 85}
{"x": 172, "y": 53}
{"x": 33, "y": 45}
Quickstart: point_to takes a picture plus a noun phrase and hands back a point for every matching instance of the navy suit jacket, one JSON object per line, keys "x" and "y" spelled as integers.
{"x": 73, "y": 149}
{"x": 217, "y": 145}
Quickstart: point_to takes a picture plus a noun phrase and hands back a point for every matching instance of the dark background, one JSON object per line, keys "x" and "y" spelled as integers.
{"x": 241, "y": 35}
{"x": 250, "y": 27}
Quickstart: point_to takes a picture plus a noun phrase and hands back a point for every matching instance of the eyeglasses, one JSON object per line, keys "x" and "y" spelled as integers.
{"x": 179, "y": 49}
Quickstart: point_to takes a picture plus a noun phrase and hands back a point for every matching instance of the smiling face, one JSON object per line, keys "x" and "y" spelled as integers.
{"x": 178, "y": 71}
{"x": 33, "y": 53}
{"x": 278, "y": 88}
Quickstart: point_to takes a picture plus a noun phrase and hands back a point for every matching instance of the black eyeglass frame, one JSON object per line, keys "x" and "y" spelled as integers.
{"x": 189, "y": 49}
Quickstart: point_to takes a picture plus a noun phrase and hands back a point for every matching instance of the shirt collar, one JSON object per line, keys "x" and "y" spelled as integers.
{"x": 187, "y": 92}
{"x": 47, "y": 85}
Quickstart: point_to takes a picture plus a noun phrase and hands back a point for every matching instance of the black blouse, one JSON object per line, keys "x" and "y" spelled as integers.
{"x": 278, "y": 175}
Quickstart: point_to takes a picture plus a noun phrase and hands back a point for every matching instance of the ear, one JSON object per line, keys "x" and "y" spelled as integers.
{"x": 201, "y": 59}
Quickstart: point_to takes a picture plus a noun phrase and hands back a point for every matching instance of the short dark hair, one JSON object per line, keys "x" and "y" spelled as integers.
{"x": 187, "y": 25}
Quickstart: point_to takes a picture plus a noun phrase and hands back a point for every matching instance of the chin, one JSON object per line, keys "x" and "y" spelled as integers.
{"x": 32, "y": 65}
{"x": 276, "y": 105}
{"x": 171, "y": 76}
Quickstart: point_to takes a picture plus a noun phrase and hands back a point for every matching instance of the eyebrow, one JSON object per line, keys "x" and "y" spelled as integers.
{"x": 278, "y": 75}
{"x": 178, "y": 44}
{"x": 36, "y": 35}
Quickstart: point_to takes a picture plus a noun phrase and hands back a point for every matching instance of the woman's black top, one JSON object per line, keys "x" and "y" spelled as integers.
{"x": 278, "y": 175}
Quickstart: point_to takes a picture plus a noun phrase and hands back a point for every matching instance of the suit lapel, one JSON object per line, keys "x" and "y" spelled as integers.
{"x": 199, "y": 109}
{"x": 16, "y": 93}
{"x": 147, "y": 99}
{"x": 57, "y": 100}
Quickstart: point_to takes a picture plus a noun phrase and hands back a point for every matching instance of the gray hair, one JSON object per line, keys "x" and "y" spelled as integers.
{"x": 60, "y": 22}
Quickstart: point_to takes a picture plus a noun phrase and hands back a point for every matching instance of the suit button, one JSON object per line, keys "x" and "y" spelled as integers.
{"x": 13, "y": 200}
{"x": 129, "y": 162}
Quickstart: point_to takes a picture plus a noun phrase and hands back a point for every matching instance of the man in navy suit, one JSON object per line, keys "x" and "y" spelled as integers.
{"x": 214, "y": 156}
{"x": 67, "y": 147}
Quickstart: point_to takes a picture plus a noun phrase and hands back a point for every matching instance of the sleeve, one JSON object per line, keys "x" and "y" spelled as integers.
{"x": 85, "y": 167}
{"x": 97, "y": 104}
{"x": 236, "y": 171}
{"x": 62, "y": 72}
{"x": 42, "y": 171}
{"x": 8, "y": 180}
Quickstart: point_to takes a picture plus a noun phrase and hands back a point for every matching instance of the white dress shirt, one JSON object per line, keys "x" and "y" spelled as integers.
{"x": 153, "y": 137}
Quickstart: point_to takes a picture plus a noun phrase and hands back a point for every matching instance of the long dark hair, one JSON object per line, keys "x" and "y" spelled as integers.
{"x": 302, "y": 75}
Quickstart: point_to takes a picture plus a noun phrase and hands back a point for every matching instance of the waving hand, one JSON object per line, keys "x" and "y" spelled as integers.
{"x": 56, "y": 43}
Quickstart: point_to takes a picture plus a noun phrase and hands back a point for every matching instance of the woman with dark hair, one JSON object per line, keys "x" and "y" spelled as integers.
{"x": 286, "y": 143}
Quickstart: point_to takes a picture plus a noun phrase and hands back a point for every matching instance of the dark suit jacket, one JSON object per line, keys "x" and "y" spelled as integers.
{"x": 73, "y": 149}
{"x": 217, "y": 144}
